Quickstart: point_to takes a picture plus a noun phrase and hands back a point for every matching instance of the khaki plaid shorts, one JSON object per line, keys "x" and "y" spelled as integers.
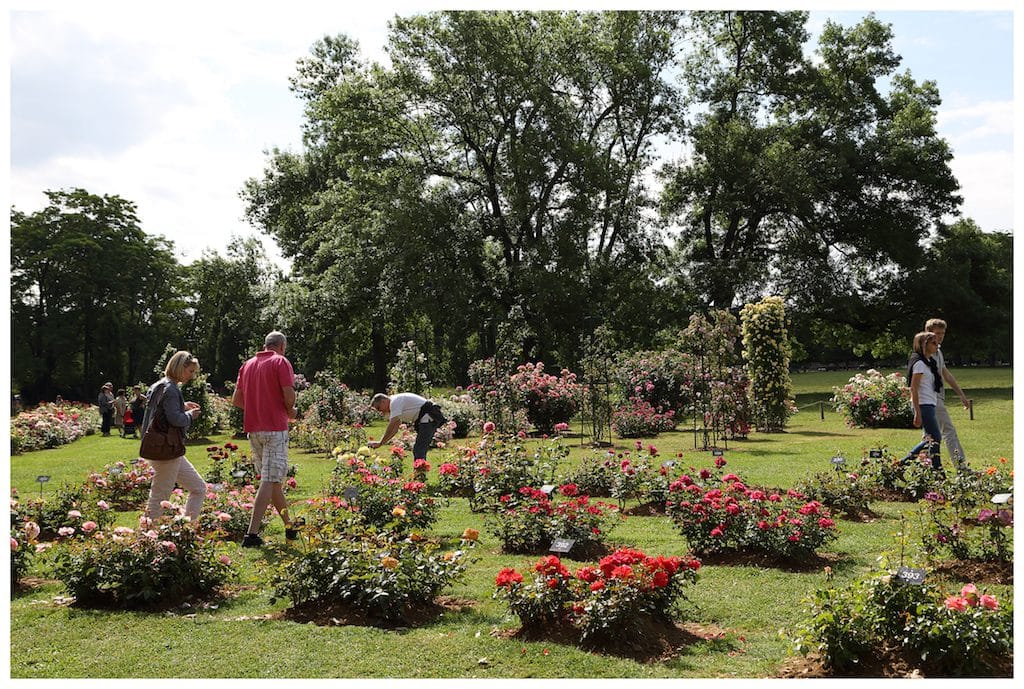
{"x": 270, "y": 454}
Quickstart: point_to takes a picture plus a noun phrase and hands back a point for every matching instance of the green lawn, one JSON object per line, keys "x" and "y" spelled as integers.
{"x": 242, "y": 638}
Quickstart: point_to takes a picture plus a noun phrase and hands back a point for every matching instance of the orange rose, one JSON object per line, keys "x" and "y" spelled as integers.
{"x": 470, "y": 535}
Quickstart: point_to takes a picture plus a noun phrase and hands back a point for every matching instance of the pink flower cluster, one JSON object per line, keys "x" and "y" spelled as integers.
{"x": 970, "y": 598}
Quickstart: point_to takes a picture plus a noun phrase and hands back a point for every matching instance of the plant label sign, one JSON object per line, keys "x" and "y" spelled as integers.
{"x": 838, "y": 459}
{"x": 42, "y": 478}
{"x": 669, "y": 464}
{"x": 717, "y": 453}
{"x": 238, "y": 474}
{"x": 911, "y": 575}
{"x": 114, "y": 471}
{"x": 351, "y": 494}
{"x": 217, "y": 487}
{"x": 875, "y": 453}
{"x": 1002, "y": 498}
{"x": 562, "y": 545}
{"x": 547, "y": 488}
{"x": 134, "y": 461}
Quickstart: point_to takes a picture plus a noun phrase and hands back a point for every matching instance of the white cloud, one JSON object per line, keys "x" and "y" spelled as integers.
{"x": 986, "y": 179}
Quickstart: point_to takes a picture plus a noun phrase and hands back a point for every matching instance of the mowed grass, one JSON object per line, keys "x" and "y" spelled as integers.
{"x": 244, "y": 637}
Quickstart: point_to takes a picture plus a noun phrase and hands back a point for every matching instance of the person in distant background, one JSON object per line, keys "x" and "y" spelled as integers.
{"x": 120, "y": 406}
{"x": 105, "y": 400}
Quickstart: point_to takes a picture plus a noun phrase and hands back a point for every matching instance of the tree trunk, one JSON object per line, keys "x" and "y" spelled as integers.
{"x": 380, "y": 360}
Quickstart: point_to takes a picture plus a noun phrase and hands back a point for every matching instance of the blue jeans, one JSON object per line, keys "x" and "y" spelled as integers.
{"x": 933, "y": 436}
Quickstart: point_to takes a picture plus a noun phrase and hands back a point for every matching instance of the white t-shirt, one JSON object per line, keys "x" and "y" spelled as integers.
{"x": 404, "y": 405}
{"x": 926, "y": 385}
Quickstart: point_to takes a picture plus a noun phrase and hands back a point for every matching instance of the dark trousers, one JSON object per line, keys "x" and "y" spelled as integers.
{"x": 108, "y": 421}
{"x": 424, "y": 436}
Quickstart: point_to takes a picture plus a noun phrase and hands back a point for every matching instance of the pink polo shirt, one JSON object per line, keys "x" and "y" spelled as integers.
{"x": 261, "y": 380}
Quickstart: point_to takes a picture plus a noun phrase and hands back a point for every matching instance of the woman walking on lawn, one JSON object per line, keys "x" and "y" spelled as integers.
{"x": 181, "y": 368}
{"x": 925, "y": 388}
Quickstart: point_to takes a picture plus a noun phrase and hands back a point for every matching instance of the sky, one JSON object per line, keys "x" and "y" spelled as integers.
{"x": 175, "y": 109}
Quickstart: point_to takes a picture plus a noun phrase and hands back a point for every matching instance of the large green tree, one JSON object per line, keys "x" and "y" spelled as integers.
{"x": 227, "y": 299}
{"x": 92, "y": 296}
{"x": 804, "y": 177}
{"x": 498, "y": 164}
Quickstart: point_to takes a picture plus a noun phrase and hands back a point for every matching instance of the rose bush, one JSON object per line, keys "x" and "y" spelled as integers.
{"x": 600, "y": 603}
{"x": 874, "y": 400}
{"x": 165, "y": 563}
{"x": 381, "y": 575}
{"x": 723, "y": 515}
{"x": 529, "y": 519}
{"x": 382, "y": 497}
{"x": 548, "y": 399}
{"x": 52, "y": 425}
{"x": 65, "y": 513}
{"x": 122, "y": 486}
{"x": 969, "y": 633}
{"x": 639, "y": 419}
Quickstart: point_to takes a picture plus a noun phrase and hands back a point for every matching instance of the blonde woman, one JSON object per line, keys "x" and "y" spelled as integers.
{"x": 925, "y": 389}
{"x": 181, "y": 368}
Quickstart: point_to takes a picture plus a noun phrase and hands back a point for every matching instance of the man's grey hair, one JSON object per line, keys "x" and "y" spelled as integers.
{"x": 274, "y": 338}
{"x": 377, "y": 399}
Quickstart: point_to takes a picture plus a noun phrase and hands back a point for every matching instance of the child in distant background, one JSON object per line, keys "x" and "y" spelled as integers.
{"x": 129, "y": 424}
{"x": 120, "y": 406}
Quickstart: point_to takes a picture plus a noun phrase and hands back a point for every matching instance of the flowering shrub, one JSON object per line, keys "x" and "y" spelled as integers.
{"x": 328, "y": 400}
{"x": 320, "y": 437}
{"x": 500, "y": 466}
{"x": 599, "y": 603}
{"x": 225, "y": 514}
{"x": 548, "y": 399}
{"x": 848, "y": 493}
{"x": 960, "y": 521}
{"x": 464, "y": 412}
{"x": 491, "y": 387}
{"x": 911, "y": 479}
{"x": 51, "y": 425}
{"x": 409, "y": 374}
{"x": 383, "y": 499}
{"x": 638, "y": 419}
{"x": 240, "y": 472}
{"x": 661, "y": 379}
{"x": 68, "y": 513}
{"x": 595, "y": 474}
{"x": 378, "y": 574}
{"x": 966, "y": 634}
{"x": 529, "y": 519}
{"x": 640, "y": 477}
{"x": 725, "y": 515}
{"x": 122, "y": 486}
{"x": 873, "y": 400}
{"x": 23, "y": 539}
{"x": 766, "y": 351}
{"x": 160, "y": 564}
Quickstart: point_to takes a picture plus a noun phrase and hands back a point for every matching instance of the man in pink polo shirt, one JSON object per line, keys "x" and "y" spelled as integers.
{"x": 266, "y": 392}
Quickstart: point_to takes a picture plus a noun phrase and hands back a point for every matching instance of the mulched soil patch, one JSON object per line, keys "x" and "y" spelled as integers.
{"x": 650, "y": 509}
{"x": 886, "y": 495}
{"x": 335, "y": 614}
{"x": 888, "y": 662}
{"x": 655, "y": 641}
{"x": 811, "y": 564}
{"x": 864, "y": 517}
{"x": 976, "y": 571}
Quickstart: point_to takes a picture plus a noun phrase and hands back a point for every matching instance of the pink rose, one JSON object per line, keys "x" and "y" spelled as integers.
{"x": 956, "y": 603}
{"x": 102, "y": 504}
{"x": 166, "y": 504}
{"x": 224, "y": 560}
{"x": 14, "y": 544}
{"x": 75, "y": 514}
{"x": 489, "y": 427}
{"x": 989, "y": 602}
{"x": 223, "y": 516}
{"x": 169, "y": 546}
{"x": 65, "y": 531}
{"x": 31, "y": 531}
{"x": 89, "y": 527}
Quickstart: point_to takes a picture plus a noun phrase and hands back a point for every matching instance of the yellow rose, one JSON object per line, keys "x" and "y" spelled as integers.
{"x": 389, "y": 563}
{"x": 399, "y": 511}
{"x": 364, "y": 451}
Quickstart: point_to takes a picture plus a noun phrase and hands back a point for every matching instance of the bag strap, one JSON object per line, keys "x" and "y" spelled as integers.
{"x": 158, "y": 400}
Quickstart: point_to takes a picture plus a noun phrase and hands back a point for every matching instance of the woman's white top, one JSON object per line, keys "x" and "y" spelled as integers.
{"x": 926, "y": 384}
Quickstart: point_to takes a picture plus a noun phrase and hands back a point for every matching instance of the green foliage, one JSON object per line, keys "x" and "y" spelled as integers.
{"x": 141, "y": 568}
{"x": 874, "y": 400}
{"x": 64, "y": 513}
{"x": 384, "y": 500}
{"x": 846, "y": 493}
{"x": 464, "y": 412}
{"x": 766, "y": 351}
{"x": 378, "y": 574}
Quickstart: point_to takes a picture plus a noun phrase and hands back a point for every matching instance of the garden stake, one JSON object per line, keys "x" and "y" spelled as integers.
{"x": 970, "y": 408}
